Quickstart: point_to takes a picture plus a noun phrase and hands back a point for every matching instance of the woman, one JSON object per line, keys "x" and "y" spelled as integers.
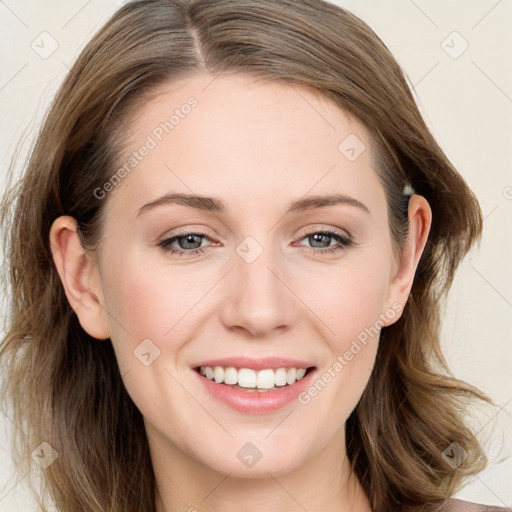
{"x": 173, "y": 345}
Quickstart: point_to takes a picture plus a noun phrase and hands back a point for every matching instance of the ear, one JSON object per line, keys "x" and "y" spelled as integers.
{"x": 420, "y": 219}
{"x": 80, "y": 277}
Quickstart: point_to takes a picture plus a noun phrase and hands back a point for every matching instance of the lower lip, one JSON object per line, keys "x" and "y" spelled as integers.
{"x": 256, "y": 402}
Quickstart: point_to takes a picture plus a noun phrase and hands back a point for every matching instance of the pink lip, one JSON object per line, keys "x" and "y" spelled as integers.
{"x": 255, "y": 364}
{"x": 255, "y": 402}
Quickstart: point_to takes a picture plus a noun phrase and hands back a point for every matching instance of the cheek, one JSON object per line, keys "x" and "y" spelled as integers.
{"x": 351, "y": 304}
{"x": 351, "y": 297}
{"x": 151, "y": 300}
{"x": 150, "y": 308}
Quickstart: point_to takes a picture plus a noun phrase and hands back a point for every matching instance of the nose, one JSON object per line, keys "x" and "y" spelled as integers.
{"x": 260, "y": 298}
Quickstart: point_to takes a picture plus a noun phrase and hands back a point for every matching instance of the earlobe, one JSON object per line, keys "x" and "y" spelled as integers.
{"x": 79, "y": 277}
{"x": 420, "y": 219}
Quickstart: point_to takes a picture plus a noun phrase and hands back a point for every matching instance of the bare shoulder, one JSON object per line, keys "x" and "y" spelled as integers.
{"x": 455, "y": 505}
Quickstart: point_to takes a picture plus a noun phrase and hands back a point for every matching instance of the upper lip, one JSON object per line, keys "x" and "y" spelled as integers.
{"x": 255, "y": 364}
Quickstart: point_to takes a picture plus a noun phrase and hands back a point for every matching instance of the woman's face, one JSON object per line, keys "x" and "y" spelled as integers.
{"x": 256, "y": 289}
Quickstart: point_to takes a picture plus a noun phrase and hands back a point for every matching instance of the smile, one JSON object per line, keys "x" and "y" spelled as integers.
{"x": 254, "y": 392}
{"x": 252, "y": 379}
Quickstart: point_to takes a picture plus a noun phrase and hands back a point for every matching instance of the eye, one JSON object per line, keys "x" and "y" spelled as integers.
{"x": 187, "y": 243}
{"x": 323, "y": 238}
{"x": 190, "y": 242}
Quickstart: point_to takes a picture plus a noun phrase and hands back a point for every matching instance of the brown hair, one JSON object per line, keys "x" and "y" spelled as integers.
{"x": 65, "y": 387}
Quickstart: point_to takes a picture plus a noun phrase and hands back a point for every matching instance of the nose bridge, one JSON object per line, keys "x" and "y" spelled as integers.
{"x": 259, "y": 300}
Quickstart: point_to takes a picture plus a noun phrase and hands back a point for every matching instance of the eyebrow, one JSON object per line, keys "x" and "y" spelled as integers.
{"x": 216, "y": 205}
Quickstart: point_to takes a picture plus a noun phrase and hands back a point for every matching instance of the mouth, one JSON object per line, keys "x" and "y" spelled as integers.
{"x": 254, "y": 381}
{"x": 255, "y": 393}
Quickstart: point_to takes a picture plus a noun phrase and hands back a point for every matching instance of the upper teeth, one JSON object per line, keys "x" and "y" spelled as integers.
{"x": 247, "y": 378}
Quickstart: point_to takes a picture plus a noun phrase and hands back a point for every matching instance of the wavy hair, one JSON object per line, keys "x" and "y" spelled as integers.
{"x": 65, "y": 388}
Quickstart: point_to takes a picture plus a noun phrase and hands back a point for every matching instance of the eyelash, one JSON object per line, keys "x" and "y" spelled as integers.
{"x": 344, "y": 241}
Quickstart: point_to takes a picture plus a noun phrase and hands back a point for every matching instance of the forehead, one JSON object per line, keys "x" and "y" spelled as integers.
{"x": 240, "y": 108}
{"x": 266, "y": 140}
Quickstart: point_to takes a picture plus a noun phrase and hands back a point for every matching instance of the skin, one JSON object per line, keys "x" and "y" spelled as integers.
{"x": 258, "y": 146}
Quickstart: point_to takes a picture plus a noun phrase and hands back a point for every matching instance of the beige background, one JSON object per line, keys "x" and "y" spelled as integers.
{"x": 465, "y": 95}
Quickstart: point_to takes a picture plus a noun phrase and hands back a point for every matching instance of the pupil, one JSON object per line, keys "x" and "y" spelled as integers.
{"x": 189, "y": 239}
{"x": 316, "y": 236}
